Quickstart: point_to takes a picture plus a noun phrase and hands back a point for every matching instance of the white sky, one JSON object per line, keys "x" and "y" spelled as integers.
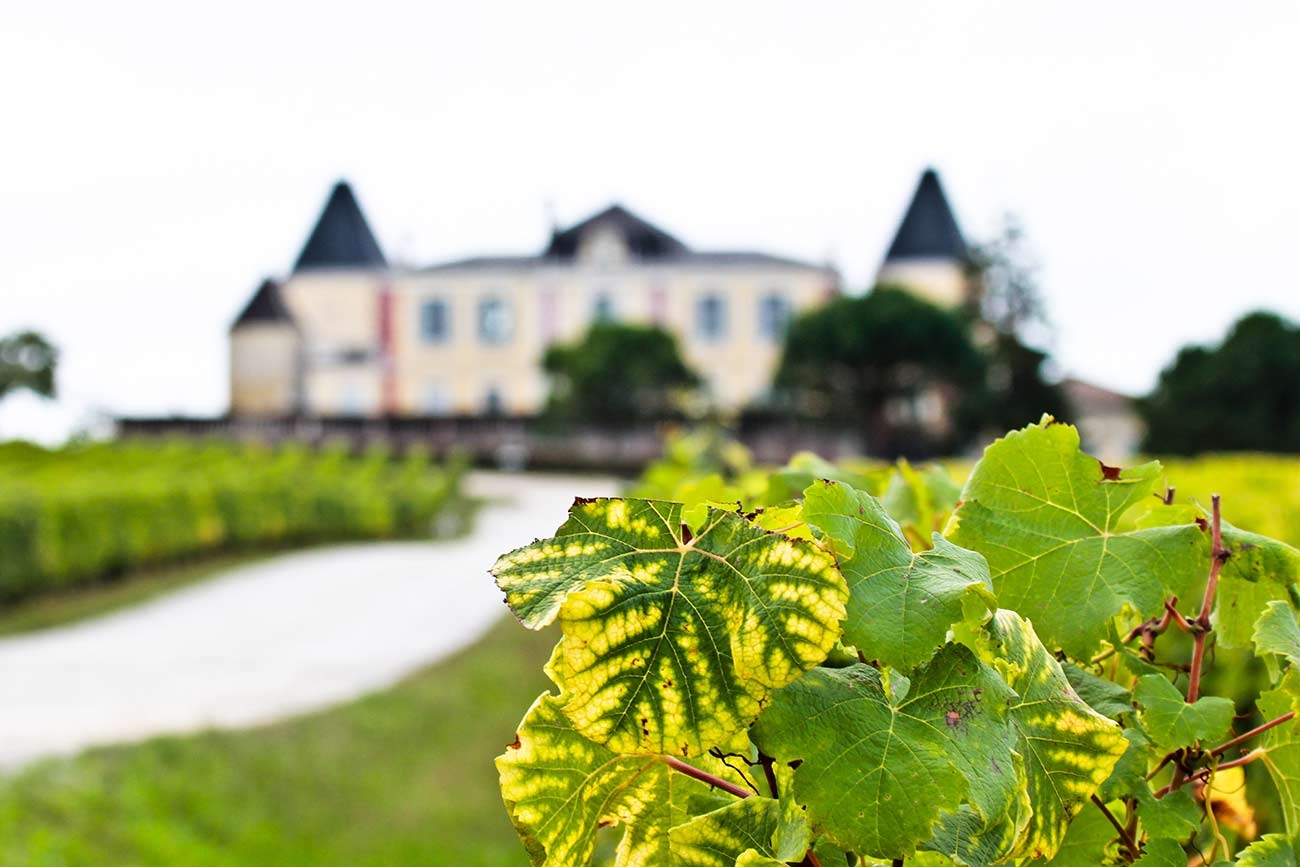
{"x": 159, "y": 158}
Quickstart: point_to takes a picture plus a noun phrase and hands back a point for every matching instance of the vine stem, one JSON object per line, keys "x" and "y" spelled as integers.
{"x": 1217, "y": 556}
{"x": 705, "y": 777}
{"x": 1130, "y": 845}
{"x": 1260, "y": 729}
{"x": 1205, "y": 772}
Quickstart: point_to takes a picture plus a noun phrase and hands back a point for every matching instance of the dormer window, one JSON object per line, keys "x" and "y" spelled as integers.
{"x": 603, "y": 246}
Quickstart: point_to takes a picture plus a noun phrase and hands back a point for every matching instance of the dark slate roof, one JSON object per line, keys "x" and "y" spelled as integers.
{"x": 266, "y": 305}
{"x": 929, "y": 229}
{"x": 486, "y": 263}
{"x": 342, "y": 237}
{"x": 701, "y": 257}
{"x": 643, "y": 239}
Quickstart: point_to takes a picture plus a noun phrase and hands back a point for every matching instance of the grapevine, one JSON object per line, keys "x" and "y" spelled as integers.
{"x": 827, "y": 679}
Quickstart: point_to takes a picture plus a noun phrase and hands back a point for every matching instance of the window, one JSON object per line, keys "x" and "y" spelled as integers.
{"x": 773, "y": 316}
{"x": 493, "y": 404}
{"x": 711, "y": 317}
{"x": 435, "y": 321}
{"x": 436, "y": 399}
{"x": 603, "y": 309}
{"x": 495, "y": 322}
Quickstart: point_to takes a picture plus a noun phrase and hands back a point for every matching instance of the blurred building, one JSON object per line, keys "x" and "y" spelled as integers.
{"x": 347, "y": 334}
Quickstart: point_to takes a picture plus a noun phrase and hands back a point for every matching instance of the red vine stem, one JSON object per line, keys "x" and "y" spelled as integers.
{"x": 705, "y": 777}
{"x": 1130, "y": 845}
{"x": 1205, "y": 772}
{"x": 1217, "y": 556}
{"x": 1227, "y": 745}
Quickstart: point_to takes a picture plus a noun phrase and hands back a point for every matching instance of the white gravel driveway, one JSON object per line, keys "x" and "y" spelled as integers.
{"x": 287, "y": 635}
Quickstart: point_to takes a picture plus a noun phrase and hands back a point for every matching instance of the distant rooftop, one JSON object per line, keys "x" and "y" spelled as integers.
{"x": 266, "y": 305}
{"x": 929, "y": 229}
{"x": 341, "y": 237}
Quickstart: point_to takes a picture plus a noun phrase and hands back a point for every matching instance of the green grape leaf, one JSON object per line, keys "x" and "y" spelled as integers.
{"x": 560, "y": 788}
{"x": 785, "y": 518}
{"x": 1238, "y": 606}
{"x": 1046, "y": 516}
{"x": 1172, "y": 722}
{"x": 1128, "y": 777}
{"x": 672, "y": 644}
{"x": 1253, "y": 557}
{"x": 901, "y": 604}
{"x": 1104, "y": 696}
{"x": 904, "y": 763}
{"x": 1281, "y": 746}
{"x": 1176, "y": 815}
{"x": 1069, "y": 749}
{"x": 1278, "y": 632}
{"x": 1162, "y": 853}
{"x": 1271, "y": 850}
{"x": 920, "y": 500}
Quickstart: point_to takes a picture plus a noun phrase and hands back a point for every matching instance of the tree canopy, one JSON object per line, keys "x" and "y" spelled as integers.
{"x": 617, "y": 375}
{"x": 27, "y": 361}
{"x": 1242, "y": 395}
{"x": 875, "y": 360}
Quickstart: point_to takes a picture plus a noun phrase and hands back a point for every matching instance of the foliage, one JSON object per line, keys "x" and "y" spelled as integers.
{"x": 617, "y": 375}
{"x": 27, "y": 361}
{"x": 1238, "y": 396}
{"x": 1024, "y": 685}
{"x": 79, "y": 514}
{"x": 868, "y": 360}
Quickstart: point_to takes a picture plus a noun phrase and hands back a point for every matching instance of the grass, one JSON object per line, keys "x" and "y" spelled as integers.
{"x": 401, "y": 777}
{"x": 83, "y": 603}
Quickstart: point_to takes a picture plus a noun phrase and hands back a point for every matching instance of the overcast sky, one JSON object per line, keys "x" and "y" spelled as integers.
{"x": 160, "y": 158}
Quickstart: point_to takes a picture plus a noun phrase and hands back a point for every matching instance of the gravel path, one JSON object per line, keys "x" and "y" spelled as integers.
{"x": 287, "y": 635}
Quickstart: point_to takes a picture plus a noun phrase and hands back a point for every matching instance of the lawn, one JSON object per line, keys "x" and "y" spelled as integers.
{"x": 401, "y": 777}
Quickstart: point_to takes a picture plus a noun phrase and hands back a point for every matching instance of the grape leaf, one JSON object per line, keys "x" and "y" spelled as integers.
{"x": 876, "y": 776}
{"x": 671, "y": 643}
{"x": 1281, "y": 746}
{"x": 1162, "y": 853}
{"x": 559, "y": 788}
{"x": 1085, "y": 843}
{"x": 1046, "y": 517}
{"x": 1271, "y": 850}
{"x": 765, "y": 827}
{"x": 1278, "y": 632}
{"x": 1104, "y": 696}
{"x": 1069, "y": 749}
{"x": 901, "y": 604}
{"x": 1172, "y": 722}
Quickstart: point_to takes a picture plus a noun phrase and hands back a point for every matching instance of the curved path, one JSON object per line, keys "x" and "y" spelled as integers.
{"x": 287, "y": 635}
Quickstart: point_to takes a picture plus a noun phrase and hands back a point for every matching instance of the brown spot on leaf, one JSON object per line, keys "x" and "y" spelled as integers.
{"x": 604, "y": 823}
{"x": 686, "y": 535}
{"x": 584, "y": 501}
{"x": 1109, "y": 474}
{"x": 516, "y": 745}
{"x": 1203, "y": 524}
{"x": 952, "y": 718}
{"x": 794, "y": 766}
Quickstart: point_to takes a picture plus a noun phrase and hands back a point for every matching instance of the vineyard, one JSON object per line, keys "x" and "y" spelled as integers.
{"x": 1057, "y": 661}
{"x": 81, "y": 514}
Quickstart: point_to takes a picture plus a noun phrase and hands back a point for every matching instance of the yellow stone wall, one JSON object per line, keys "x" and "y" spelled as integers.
{"x": 264, "y": 363}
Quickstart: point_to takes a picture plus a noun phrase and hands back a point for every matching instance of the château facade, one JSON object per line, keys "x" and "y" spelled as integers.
{"x": 347, "y": 334}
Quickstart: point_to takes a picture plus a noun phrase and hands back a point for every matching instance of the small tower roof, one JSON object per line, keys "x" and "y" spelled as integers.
{"x": 644, "y": 240}
{"x": 341, "y": 237}
{"x": 266, "y": 305}
{"x": 929, "y": 230}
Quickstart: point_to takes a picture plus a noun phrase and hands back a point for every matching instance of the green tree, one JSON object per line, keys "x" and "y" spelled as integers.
{"x": 617, "y": 375}
{"x": 27, "y": 361}
{"x": 1008, "y": 300}
{"x": 1239, "y": 396}
{"x": 876, "y": 362}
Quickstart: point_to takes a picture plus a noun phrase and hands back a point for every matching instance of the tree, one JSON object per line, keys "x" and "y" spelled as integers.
{"x": 27, "y": 361}
{"x": 617, "y": 375}
{"x": 1008, "y": 300}
{"x": 880, "y": 362}
{"x": 1239, "y": 396}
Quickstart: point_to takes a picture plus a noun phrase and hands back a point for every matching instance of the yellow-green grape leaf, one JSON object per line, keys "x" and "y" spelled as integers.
{"x": 672, "y": 643}
{"x": 875, "y": 776}
{"x": 1172, "y": 722}
{"x": 560, "y": 788}
{"x": 1281, "y": 746}
{"x": 718, "y": 838}
{"x": 901, "y": 603}
{"x": 1271, "y": 850}
{"x": 1046, "y": 517}
{"x": 1087, "y": 843}
{"x": 920, "y": 500}
{"x": 786, "y": 518}
{"x": 1069, "y": 749}
{"x": 1278, "y": 632}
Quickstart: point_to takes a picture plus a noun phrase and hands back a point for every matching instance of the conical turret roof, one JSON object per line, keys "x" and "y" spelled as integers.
{"x": 341, "y": 237}
{"x": 929, "y": 230}
{"x": 266, "y": 305}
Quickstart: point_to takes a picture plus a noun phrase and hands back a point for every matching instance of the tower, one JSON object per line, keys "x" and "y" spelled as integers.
{"x": 928, "y": 254}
